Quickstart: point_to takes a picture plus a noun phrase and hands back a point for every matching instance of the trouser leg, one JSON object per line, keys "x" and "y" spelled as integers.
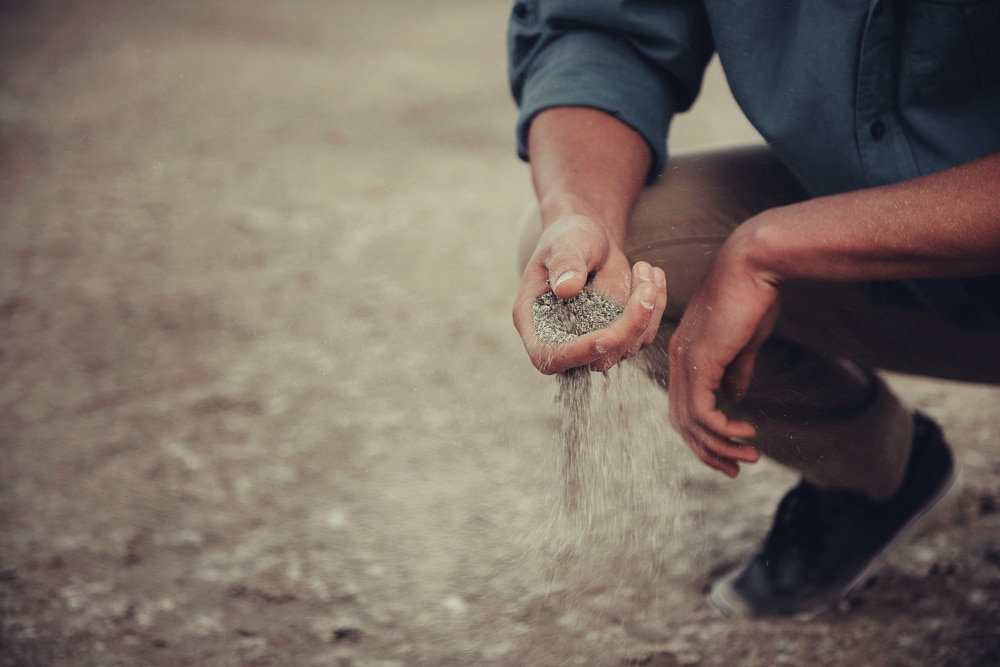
{"x": 817, "y": 403}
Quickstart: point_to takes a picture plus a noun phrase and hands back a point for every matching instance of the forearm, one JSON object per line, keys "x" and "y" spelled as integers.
{"x": 585, "y": 162}
{"x": 942, "y": 225}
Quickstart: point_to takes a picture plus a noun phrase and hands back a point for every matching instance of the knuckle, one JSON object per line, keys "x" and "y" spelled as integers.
{"x": 639, "y": 326}
{"x": 606, "y": 364}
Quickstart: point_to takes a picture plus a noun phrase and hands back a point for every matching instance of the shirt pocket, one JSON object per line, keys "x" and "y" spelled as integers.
{"x": 951, "y": 49}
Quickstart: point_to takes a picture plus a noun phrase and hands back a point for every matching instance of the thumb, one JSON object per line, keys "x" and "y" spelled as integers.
{"x": 738, "y": 376}
{"x": 567, "y": 275}
{"x": 739, "y": 373}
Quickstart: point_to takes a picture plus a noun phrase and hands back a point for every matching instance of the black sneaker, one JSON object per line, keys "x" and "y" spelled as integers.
{"x": 825, "y": 543}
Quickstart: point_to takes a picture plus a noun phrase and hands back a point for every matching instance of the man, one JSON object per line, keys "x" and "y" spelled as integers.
{"x": 770, "y": 283}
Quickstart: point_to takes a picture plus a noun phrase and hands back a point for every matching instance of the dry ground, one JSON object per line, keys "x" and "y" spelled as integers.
{"x": 260, "y": 399}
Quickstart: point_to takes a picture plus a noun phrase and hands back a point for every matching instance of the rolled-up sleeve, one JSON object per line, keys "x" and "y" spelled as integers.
{"x": 640, "y": 61}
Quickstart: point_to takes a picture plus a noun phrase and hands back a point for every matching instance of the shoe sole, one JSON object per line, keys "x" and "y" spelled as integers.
{"x": 724, "y": 598}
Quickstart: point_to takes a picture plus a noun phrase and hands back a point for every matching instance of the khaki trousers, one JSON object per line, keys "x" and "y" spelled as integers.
{"x": 816, "y": 400}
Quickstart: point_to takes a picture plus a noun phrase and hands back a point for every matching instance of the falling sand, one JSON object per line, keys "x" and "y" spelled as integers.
{"x": 620, "y": 482}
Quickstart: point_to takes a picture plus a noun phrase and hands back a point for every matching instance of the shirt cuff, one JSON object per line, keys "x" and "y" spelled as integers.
{"x": 587, "y": 68}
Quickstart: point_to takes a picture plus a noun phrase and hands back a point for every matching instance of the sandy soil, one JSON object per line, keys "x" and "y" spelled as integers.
{"x": 260, "y": 399}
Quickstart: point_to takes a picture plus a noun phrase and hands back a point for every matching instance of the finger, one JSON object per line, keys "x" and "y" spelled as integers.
{"x": 570, "y": 249}
{"x": 728, "y": 467}
{"x": 717, "y": 441}
{"x": 740, "y": 372}
{"x": 582, "y": 351}
{"x": 629, "y": 327}
{"x": 738, "y": 376}
{"x": 735, "y": 450}
{"x": 725, "y": 437}
{"x": 567, "y": 274}
{"x": 642, "y": 275}
{"x": 724, "y": 456}
{"x": 715, "y": 458}
{"x": 642, "y": 272}
{"x": 728, "y": 437}
{"x": 660, "y": 283}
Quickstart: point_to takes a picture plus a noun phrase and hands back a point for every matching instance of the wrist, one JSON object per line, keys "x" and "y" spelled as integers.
{"x": 557, "y": 206}
{"x": 569, "y": 215}
{"x": 755, "y": 248}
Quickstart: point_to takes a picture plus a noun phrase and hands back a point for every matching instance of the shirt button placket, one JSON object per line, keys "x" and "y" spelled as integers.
{"x": 884, "y": 152}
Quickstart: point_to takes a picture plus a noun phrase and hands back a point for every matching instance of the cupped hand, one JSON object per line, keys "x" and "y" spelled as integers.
{"x": 568, "y": 252}
{"x": 712, "y": 355}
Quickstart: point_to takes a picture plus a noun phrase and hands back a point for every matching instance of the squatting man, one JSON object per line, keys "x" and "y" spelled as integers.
{"x": 769, "y": 284}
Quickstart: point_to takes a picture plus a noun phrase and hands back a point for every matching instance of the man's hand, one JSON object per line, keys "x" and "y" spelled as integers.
{"x": 944, "y": 224}
{"x": 588, "y": 168}
{"x": 712, "y": 353}
{"x": 569, "y": 250}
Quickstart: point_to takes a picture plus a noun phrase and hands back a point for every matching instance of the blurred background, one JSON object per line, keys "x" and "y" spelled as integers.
{"x": 261, "y": 402}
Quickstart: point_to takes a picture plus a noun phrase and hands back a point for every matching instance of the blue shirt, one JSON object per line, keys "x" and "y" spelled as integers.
{"x": 849, "y": 93}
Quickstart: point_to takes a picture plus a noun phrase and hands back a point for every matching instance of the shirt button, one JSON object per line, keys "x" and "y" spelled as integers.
{"x": 878, "y": 130}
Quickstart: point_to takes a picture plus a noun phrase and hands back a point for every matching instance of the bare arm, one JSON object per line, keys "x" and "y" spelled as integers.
{"x": 942, "y": 225}
{"x": 584, "y": 162}
{"x": 588, "y": 169}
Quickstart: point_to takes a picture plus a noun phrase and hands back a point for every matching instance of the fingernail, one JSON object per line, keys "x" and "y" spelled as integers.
{"x": 568, "y": 275}
{"x": 647, "y": 297}
{"x": 645, "y": 272}
{"x": 601, "y": 346}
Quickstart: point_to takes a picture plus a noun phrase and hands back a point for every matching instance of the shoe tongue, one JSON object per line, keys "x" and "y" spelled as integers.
{"x": 800, "y": 505}
{"x": 836, "y": 503}
{"x": 797, "y": 522}
{"x": 808, "y": 516}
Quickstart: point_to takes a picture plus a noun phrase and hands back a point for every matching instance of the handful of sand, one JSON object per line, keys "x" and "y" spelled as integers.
{"x": 559, "y": 320}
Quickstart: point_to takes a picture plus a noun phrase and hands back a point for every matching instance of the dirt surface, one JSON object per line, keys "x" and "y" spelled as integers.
{"x": 261, "y": 402}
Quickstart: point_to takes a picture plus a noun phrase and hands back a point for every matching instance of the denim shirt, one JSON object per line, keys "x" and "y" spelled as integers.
{"x": 849, "y": 93}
